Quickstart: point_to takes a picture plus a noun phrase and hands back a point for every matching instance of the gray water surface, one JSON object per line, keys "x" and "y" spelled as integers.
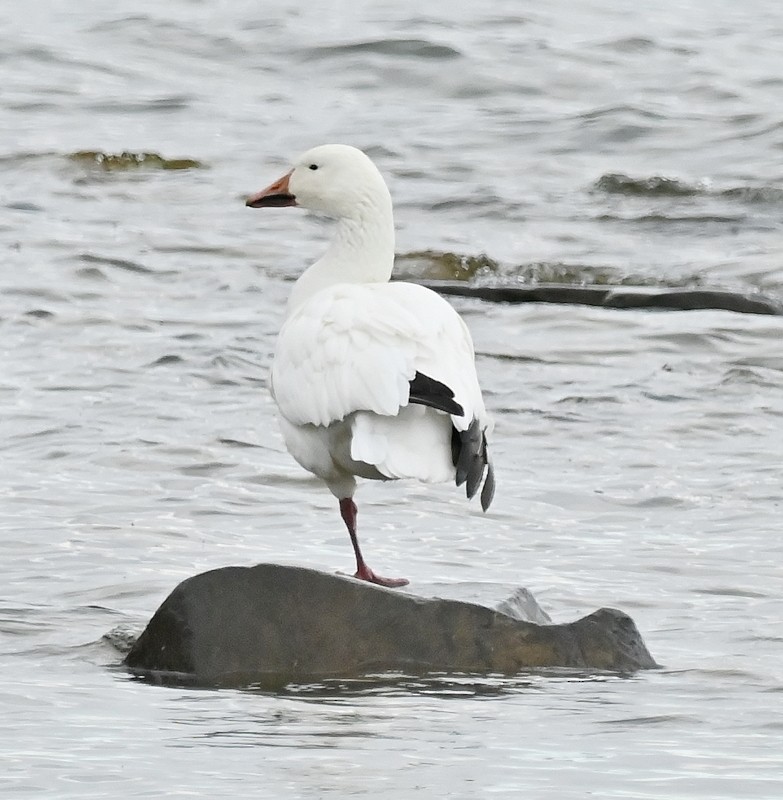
{"x": 638, "y": 453}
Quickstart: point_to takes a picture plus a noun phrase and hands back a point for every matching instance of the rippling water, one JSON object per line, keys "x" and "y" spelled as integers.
{"x": 638, "y": 453}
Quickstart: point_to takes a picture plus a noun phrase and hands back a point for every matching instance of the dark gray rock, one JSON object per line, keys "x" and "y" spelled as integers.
{"x": 524, "y": 607}
{"x": 272, "y": 625}
{"x": 616, "y": 297}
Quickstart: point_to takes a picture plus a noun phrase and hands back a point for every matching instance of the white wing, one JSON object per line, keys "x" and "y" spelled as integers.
{"x": 356, "y": 347}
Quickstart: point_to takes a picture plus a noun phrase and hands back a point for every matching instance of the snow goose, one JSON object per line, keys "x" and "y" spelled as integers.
{"x": 372, "y": 379}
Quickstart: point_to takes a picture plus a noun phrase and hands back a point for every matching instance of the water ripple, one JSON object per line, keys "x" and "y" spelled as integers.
{"x": 409, "y": 48}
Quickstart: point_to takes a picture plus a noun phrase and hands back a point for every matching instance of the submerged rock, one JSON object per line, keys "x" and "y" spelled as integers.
{"x": 652, "y": 186}
{"x": 124, "y": 161}
{"x": 615, "y": 297}
{"x": 442, "y": 265}
{"x": 272, "y": 624}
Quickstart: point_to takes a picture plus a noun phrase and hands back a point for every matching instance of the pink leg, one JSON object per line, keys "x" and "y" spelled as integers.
{"x": 348, "y": 511}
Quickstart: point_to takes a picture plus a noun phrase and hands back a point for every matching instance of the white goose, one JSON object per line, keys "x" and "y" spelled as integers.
{"x": 372, "y": 379}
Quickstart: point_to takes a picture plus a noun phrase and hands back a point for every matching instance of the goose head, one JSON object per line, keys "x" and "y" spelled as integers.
{"x": 334, "y": 179}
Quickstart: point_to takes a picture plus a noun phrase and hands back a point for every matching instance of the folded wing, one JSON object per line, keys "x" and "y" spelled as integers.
{"x": 395, "y": 361}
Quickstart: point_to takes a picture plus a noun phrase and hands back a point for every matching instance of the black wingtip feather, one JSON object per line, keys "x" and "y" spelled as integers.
{"x": 488, "y": 491}
{"x": 426, "y": 391}
{"x": 471, "y": 459}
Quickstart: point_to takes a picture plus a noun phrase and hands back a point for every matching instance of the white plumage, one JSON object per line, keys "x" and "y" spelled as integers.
{"x": 372, "y": 379}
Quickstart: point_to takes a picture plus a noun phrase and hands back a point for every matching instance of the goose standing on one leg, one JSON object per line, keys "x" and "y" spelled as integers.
{"x": 372, "y": 379}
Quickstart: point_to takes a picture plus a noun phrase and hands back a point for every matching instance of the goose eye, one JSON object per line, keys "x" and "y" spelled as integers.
{"x": 313, "y": 166}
